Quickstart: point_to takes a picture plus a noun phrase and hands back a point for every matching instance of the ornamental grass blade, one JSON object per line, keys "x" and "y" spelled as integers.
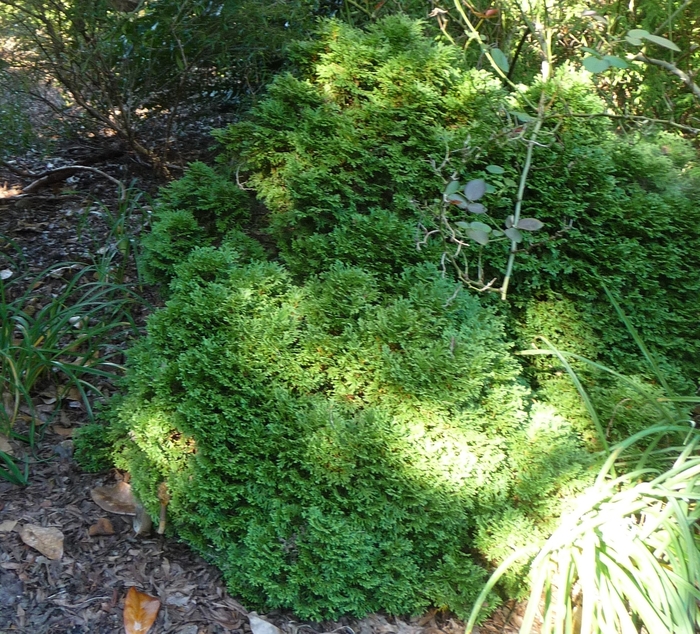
{"x": 639, "y": 341}
{"x": 140, "y": 611}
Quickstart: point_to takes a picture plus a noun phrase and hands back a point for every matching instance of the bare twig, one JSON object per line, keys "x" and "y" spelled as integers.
{"x": 16, "y": 170}
{"x": 57, "y": 175}
{"x": 629, "y": 117}
{"x": 671, "y": 68}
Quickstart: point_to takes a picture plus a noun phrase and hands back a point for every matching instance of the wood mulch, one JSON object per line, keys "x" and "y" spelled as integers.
{"x": 84, "y": 591}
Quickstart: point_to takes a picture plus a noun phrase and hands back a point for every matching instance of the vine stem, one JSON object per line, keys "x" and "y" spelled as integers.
{"x": 521, "y": 193}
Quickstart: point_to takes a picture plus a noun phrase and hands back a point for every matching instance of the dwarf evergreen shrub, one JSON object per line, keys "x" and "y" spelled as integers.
{"x": 331, "y": 447}
{"x": 202, "y": 208}
{"x": 341, "y": 432}
{"x": 92, "y": 448}
{"x": 340, "y": 156}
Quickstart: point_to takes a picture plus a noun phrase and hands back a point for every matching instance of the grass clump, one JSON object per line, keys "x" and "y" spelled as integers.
{"x": 54, "y": 338}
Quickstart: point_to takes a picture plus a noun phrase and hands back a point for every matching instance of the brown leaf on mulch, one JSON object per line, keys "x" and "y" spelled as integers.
{"x": 140, "y": 611}
{"x": 102, "y": 527}
{"x": 117, "y": 498}
{"x": 47, "y": 540}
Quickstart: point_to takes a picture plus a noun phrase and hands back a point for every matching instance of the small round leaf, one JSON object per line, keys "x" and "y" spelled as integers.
{"x": 475, "y": 189}
{"x": 478, "y": 236}
{"x": 480, "y": 226}
{"x": 476, "y": 208}
{"x": 615, "y": 61}
{"x": 457, "y": 199}
{"x": 452, "y": 187}
{"x": 595, "y": 64}
{"x": 530, "y": 224}
{"x": 494, "y": 169}
{"x": 514, "y": 235}
{"x": 509, "y": 222}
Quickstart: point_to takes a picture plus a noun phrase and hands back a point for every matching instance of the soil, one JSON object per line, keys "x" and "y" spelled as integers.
{"x": 84, "y": 591}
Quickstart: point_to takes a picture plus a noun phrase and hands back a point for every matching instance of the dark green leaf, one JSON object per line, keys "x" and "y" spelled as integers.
{"x": 500, "y": 59}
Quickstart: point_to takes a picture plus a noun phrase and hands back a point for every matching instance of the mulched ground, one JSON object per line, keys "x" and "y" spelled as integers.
{"x": 84, "y": 592}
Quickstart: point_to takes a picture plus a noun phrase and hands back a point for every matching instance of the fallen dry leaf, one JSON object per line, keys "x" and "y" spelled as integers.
{"x": 115, "y": 499}
{"x": 8, "y": 526}
{"x": 142, "y": 522}
{"x": 140, "y": 611}
{"x": 47, "y": 540}
{"x": 261, "y": 626}
{"x": 5, "y": 446}
{"x": 63, "y": 431}
{"x": 102, "y": 527}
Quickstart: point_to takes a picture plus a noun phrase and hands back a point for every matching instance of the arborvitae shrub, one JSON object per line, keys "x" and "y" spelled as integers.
{"x": 200, "y": 209}
{"x": 354, "y": 133}
{"x": 340, "y": 436}
{"x": 331, "y": 447}
{"x": 353, "y": 136}
{"x": 93, "y": 448}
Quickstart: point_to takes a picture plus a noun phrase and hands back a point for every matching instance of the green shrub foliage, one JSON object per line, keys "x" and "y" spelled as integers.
{"x": 341, "y": 432}
{"x": 202, "y": 208}
{"x": 92, "y": 448}
{"x": 340, "y": 154}
{"x": 352, "y": 137}
{"x": 328, "y": 446}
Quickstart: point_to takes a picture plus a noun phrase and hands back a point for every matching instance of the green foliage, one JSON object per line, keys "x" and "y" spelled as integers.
{"x": 200, "y": 209}
{"x": 42, "y": 338}
{"x": 353, "y": 135}
{"x": 92, "y": 448}
{"x": 626, "y": 555}
{"x": 134, "y": 65}
{"x": 330, "y": 446}
{"x": 18, "y": 131}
